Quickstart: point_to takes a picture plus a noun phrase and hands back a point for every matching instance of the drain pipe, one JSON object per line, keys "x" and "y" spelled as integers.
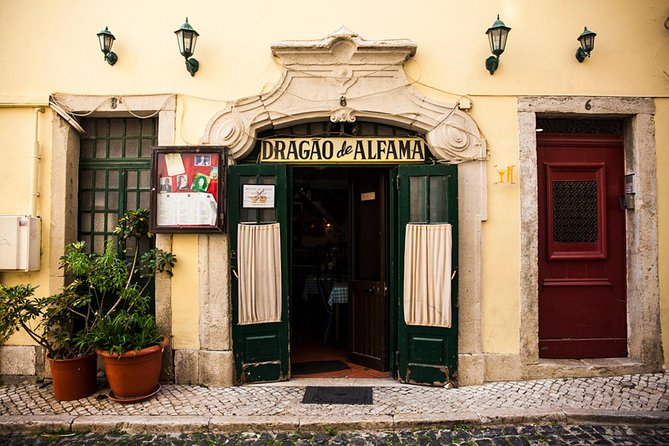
{"x": 34, "y": 166}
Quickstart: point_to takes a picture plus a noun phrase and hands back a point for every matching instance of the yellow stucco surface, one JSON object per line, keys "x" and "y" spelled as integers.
{"x": 52, "y": 47}
{"x": 235, "y": 61}
{"x": 17, "y": 127}
{"x": 185, "y": 293}
{"x": 497, "y": 119}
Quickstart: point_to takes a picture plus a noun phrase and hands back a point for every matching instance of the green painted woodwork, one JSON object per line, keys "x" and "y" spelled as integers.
{"x": 260, "y": 350}
{"x": 427, "y": 194}
{"x": 114, "y": 174}
{"x": 393, "y": 277}
{"x": 114, "y": 177}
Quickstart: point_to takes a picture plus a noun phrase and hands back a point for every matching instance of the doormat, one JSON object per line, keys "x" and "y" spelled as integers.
{"x": 337, "y": 395}
{"x": 307, "y": 368}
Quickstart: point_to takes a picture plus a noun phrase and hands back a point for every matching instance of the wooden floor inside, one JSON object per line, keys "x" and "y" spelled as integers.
{"x": 307, "y": 349}
{"x": 309, "y": 341}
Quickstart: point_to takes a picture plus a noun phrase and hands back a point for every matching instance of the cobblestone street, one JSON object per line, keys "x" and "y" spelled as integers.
{"x": 507, "y": 436}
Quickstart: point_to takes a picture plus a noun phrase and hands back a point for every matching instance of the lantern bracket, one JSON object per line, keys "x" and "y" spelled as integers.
{"x": 492, "y": 63}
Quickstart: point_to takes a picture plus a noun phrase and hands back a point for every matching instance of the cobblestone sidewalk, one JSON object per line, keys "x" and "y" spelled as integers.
{"x": 179, "y": 408}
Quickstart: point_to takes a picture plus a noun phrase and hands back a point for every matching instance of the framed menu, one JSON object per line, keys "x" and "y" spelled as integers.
{"x": 187, "y": 185}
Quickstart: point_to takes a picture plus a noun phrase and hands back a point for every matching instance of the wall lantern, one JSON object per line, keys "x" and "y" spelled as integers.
{"x": 106, "y": 41}
{"x": 587, "y": 41}
{"x": 497, "y": 35}
{"x": 186, "y": 37}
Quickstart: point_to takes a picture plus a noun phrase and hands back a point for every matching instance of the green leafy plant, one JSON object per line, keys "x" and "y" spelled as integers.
{"x": 124, "y": 321}
{"x": 106, "y": 305}
{"x": 58, "y": 322}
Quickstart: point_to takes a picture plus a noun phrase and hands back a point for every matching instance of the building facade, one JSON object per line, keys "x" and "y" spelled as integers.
{"x": 433, "y": 220}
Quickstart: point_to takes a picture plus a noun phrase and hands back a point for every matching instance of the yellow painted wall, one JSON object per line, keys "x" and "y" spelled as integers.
{"x": 498, "y": 121}
{"x": 17, "y": 138}
{"x": 52, "y": 47}
{"x": 17, "y": 129}
{"x": 185, "y": 293}
{"x": 662, "y": 140}
{"x": 57, "y": 50}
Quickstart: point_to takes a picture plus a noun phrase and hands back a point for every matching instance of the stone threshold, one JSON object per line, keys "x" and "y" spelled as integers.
{"x": 586, "y": 368}
{"x": 352, "y": 382}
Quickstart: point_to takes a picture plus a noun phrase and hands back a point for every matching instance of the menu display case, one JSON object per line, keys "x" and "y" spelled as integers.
{"x": 187, "y": 190}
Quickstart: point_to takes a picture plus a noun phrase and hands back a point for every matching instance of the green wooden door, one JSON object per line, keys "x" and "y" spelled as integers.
{"x": 260, "y": 350}
{"x": 427, "y": 195}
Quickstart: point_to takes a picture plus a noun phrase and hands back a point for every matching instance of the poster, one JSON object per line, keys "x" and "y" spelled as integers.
{"x": 174, "y": 164}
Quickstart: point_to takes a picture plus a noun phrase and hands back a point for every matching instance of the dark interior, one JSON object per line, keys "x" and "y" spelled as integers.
{"x": 319, "y": 259}
{"x": 320, "y": 269}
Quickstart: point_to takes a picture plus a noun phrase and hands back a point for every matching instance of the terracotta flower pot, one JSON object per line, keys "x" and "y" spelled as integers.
{"x": 135, "y": 375}
{"x": 74, "y": 378}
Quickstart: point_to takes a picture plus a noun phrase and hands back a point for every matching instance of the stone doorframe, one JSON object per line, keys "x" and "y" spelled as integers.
{"x": 643, "y": 295}
{"x": 343, "y": 78}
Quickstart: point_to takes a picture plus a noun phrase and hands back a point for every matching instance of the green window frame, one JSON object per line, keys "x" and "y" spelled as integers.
{"x": 114, "y": 174}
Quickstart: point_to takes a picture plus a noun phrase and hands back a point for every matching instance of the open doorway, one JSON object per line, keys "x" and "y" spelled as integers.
{"x": 329, "y": 314}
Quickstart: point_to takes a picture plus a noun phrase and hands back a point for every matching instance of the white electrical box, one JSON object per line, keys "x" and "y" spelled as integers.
{"x": 19, "y": 243}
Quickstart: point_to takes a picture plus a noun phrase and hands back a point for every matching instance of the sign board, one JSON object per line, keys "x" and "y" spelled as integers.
{"x": 258, "y": 196}
{"x": 343, "y": 150}
{"x": 629, "y": 184}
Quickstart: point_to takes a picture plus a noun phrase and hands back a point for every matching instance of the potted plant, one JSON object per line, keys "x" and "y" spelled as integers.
{"x": 105, "y": 307}
{"x": 125, "y": 333}
{"x": 59, "y": 323}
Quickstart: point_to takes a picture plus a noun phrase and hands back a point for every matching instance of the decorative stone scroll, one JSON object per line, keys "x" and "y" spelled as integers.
{"x": 345, "y": 78}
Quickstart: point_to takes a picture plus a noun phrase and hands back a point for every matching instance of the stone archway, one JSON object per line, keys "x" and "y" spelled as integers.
{"x": 343, "y": 78}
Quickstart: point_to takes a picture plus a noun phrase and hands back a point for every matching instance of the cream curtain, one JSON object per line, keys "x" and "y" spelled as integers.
{"x": 259, "y": 248}
{"x": 427, "y": 275}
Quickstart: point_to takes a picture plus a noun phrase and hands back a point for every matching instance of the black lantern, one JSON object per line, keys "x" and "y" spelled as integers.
{"x": 587, "y": 41}
{"x": 106, "y": 41}
{"x": 186, "y": 38}
{"x": 497, "y": 35}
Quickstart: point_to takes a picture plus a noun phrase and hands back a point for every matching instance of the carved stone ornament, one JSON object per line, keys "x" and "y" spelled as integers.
{"x": 345, "y": 78}
{"x": 343, "y": 115}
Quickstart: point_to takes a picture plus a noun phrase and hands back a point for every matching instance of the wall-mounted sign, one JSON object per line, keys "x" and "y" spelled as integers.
{"x": 258, "y": 196}
{"x": 368, "y": 196}
{"x": 343, "y": 150}
{"x": 187, "y": 189}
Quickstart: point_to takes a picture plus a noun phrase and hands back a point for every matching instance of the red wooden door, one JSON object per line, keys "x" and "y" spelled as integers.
{"x": 582, "y": 268}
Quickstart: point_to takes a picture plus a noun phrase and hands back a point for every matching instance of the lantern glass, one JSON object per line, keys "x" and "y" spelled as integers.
{"x": 187, "y": 41}
{"x": 186, "y": 38}
{"x": 106, "y": 40}
{"x": 587, "y": 42}
{"x": 497, "y": 35}
{"x": 497, "y": 38}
